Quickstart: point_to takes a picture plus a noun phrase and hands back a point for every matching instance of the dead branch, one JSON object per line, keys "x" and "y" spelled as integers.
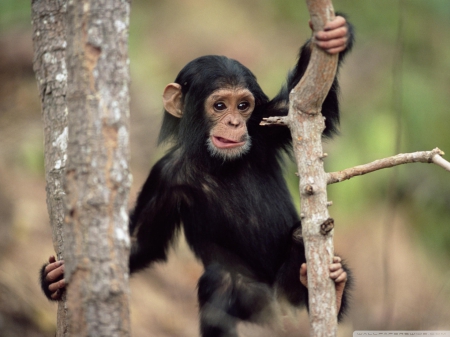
{"x": 434, "y": 156}
{"x": 278, "y": 120}
{"x": 438, "y": 160}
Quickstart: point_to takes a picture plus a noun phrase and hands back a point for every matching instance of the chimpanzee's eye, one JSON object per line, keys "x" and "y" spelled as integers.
{"x": 219, "y": 106}
{"x": 243, "y": 106}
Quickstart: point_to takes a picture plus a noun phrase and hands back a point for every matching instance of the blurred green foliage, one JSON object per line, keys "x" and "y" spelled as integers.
{"x": 13, "y": 12}
{"x": 161, "y": 42}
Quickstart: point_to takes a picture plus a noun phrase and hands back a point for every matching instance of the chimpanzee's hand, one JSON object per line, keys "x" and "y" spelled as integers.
{"x": 53, "y": 283}
{"x": 334, "y": 38}
{"x": 337, "y": 274}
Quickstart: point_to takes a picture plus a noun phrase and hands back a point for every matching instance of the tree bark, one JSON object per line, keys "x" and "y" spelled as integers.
{"x": 49, "y": 40}
{"x": 307, "y": 124}
{"x": 97, "y": 175}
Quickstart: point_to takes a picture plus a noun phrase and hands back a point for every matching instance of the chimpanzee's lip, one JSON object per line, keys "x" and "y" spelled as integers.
{"x": 224, "y": 143}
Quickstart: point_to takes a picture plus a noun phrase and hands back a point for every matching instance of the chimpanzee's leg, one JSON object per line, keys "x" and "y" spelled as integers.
{"x": 225, "y": 297}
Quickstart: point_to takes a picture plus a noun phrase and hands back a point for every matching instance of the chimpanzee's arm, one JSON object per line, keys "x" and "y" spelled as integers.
{"x": 154, "y": 221}
{"x": 279, "y": 105}
{"x": 153, "y": 224}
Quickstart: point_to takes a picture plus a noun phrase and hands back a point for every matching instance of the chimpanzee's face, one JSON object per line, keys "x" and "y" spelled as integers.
{"x": 228, "y": 110}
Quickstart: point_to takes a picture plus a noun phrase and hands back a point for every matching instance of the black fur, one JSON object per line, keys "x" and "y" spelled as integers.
{"x": 237, "y": 215}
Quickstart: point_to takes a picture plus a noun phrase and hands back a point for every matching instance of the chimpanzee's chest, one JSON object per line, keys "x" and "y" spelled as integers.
{"x": 248, "y": 215}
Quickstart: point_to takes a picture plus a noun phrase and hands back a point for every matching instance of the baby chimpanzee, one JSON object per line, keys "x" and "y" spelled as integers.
{"x": 222, "y": 182}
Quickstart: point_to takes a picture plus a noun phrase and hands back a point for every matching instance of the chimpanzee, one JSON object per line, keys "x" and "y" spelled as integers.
{"x": 222, "y": 182}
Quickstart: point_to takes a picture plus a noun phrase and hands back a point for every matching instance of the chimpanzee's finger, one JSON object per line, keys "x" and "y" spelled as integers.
{"x": 341, "y": 278}
{"x": 57, "y": 285}
{"x": 304, "y": 275}
{"x": 336, "y": 259}
{"x": 335, "y": 267}
{"x": 332, "y": 34}
{"x": 56, "y": 270}
{"x": 56, "y": 295}
{"x": 333, "y": 45}
{"x": 339, "y": 275}
{"x": 337, "y": 22}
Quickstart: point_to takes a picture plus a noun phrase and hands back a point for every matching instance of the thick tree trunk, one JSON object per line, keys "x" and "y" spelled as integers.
{"x": 49, "y": 39}
{"x": 97, "y": 174}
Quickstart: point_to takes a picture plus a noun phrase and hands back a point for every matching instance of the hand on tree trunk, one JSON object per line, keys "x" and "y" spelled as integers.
{"x": 337, "y": 274}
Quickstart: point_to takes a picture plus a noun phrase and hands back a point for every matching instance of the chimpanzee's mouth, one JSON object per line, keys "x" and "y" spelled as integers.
{"x": 224, "y": 143}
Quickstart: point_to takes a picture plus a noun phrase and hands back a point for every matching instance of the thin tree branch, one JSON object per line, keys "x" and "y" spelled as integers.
{"x": 280, "y": 120}
{"x": 434, "y": 156}
{"x": 438, "y": 160}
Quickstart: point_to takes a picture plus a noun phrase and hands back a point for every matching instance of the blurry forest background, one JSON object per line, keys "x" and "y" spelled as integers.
{"x": 392, "y": 226}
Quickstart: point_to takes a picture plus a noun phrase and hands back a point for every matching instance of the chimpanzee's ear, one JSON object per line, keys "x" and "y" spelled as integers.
{"x": 172, "y": 99}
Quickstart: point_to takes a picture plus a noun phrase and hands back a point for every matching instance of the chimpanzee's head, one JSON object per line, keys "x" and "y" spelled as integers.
{"x": 209, "y": 107}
